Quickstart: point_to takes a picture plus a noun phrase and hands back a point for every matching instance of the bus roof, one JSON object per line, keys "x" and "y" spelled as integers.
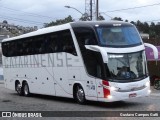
{"x": 99, "y": 23}
{"x": 66, "y": 26}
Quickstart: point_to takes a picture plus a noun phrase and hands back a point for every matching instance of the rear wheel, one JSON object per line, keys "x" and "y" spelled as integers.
{"x": 18, "y": 88}
{"x": 26, "y": 90}
{"x": 157, "y": 84}
{"x": 80, "y": 95}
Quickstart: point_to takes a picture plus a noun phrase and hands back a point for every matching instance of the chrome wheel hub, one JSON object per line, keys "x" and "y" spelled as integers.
{"x": 80, "y": 95}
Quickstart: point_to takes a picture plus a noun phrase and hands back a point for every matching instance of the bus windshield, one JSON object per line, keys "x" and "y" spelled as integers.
{"x": 119, "y": 36}
{"x": 127, "y": 66}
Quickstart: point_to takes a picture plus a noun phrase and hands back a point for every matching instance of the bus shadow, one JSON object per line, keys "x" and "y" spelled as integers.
{"x": 118, "y": 104}
{"x": 49, "y": 98}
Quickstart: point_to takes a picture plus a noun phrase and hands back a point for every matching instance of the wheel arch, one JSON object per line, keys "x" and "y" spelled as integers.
{"x": 74, "y": 88}
{"x": 24, "y": 81}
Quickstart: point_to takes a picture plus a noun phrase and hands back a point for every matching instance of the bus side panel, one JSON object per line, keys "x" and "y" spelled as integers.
{"x": 8, "y": 79}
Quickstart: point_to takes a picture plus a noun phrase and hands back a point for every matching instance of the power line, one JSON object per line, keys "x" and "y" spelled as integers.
{"x": 153, "y": 20}
{"x": 133, "y": 8}
{"x": 21, "y": 20}
{"x": 28, "y": 13}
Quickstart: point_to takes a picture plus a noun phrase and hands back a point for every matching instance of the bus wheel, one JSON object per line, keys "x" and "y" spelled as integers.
{"x": 157, "y": 84}
{"x": 18, "y": 88}
{"x": 26, "y": 89}
{"x": 80, "y": 95}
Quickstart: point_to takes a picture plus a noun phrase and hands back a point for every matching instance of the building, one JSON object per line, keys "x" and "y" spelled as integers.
{"x": 11, "y": 30}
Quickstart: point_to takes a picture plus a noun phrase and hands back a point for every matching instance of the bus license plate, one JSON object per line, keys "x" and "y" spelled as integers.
{"x": 132, "y": 95}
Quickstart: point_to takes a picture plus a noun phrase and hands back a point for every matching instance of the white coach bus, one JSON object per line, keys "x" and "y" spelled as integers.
{"x": 99, "y": 61}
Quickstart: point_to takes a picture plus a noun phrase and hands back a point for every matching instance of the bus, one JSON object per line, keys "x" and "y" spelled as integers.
{"x": 98, "y": 61}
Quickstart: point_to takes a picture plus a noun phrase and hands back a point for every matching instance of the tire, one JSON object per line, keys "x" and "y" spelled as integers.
{"x": 18, "y": 88}
{"x": 80, "y": 95}
{"x": 157, "y": 84}
{"x": 26, "y": 90}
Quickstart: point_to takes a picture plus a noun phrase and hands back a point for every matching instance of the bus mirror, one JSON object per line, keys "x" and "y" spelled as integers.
{"x": 99, "y": 49}
{"x": 155, "y": 50}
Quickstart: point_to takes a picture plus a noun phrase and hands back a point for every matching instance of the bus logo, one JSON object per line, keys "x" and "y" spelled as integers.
{"x": 6, "y": 114}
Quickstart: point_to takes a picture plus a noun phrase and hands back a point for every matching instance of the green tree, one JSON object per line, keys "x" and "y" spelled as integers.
{"x": 139, "y": 25}
{"x": 101, "y": 17}
{"x": 85, "y": 17}
{"x": 152, "y": 30}
{"x": 126, "y": 20}
{"x": 118, "y": 19}
{"x": 59, "y": 22}
{"x": 133, "y": 22}
{"x": 145, "y": 27}
{"x": 157, "y": 30}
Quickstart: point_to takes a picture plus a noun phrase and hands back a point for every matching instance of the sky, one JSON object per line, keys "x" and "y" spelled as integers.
{"x": 38, "y": 12}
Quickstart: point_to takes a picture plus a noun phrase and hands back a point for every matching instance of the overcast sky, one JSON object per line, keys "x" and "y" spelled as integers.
{"x": 37, "y": 12}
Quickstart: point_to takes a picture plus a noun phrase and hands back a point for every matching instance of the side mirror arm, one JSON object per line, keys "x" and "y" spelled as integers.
{"x": 155, "y": 50}
{"x": 98, "y": 49}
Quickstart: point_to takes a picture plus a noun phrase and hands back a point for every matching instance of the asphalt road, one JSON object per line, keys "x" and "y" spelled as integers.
{"x": 10, "y": 101}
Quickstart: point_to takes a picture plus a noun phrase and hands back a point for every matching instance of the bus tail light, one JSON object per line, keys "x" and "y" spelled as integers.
{"x": 105, "y": 90}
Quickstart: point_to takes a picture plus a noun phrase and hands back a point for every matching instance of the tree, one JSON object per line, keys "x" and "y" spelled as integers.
{"x": 5, "y": 21}
{"x": 59, "y": 22}
{"x": 152, "y": 30}
{"x": 133, "y": 22}
{"x": 85, "y": 17}
{"x": 126, "y": 20}
{"x": 118, "y": 19}
{"x": 139, "y": 25}
{"x": 101, "y": 17}
{"x": 145, "y": 27}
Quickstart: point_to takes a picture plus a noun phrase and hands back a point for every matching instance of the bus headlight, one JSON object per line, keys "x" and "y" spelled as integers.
{"x": 113, "y": 88}
{"x": 109, "y": 97}
{"x": 147, "y": 84}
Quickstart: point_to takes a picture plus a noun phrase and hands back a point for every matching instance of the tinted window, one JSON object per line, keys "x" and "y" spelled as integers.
{"x": 92, "y": 60}
{"x": 49, "y": 43}
{"x": 67, "y": 43}
{"x": 119, "y": 36}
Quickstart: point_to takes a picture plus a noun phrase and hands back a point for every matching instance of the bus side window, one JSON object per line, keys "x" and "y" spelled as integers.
{"x": 52, "y": 44}
{"x": 19, "y": 49}
{"x": 92, "y": 60}
{"x": 29, "y": 46}
{"x": 5, "y": 49}
{"x": 67, "y": 43}
{"x": 24, "y": 46}
{"x": 43, "y": 41}
{"x": 38, "y": 43}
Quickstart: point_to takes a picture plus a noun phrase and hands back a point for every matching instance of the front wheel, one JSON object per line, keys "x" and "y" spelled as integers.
{"x": 80, "y": 95}
{"x": 26, "y": 90}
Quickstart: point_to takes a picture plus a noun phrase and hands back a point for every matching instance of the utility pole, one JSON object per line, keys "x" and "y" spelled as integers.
{"x": 90, "y": 8}
{"x": 97, "y": 10}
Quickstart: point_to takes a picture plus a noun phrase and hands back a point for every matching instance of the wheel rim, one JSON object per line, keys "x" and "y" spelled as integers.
{"x": 80, "y": 94}
{"x": 18, "y": 88}
{"x": 156, "y": 84}
{"x": 26, "y": 91}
